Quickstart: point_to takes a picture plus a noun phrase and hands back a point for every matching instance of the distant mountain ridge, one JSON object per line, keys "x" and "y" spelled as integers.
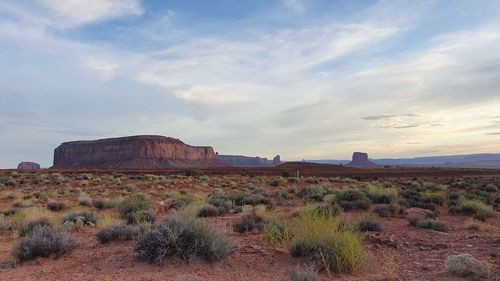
{"x": 481, "y": 160}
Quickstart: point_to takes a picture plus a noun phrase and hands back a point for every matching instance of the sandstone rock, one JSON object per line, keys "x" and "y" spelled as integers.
{"x": 244, "y": 161}
{"x": 276, "y": 160}
{"x": 419, "y": 212}
{"x": 28, "y": 166}
{"x": 135, "y": 152}
{"x": 360, "y": 160}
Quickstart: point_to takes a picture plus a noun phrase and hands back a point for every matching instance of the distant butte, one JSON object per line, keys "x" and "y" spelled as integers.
{"x": 134, "y": 152}
{"x": 360, "y": 160}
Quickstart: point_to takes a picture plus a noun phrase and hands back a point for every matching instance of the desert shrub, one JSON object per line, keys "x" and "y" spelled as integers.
{"x": 330, "y": 210}
{"x": 432, "y": 224}
{"x": 84, "y": 202}
{"x": 312, "y": 193}
{"x": 223, "y": 202}
{"x": 135, "y": 202}
{"x": 303, "y": 273}
{"x": 379, "y": 194}
{"x": 478, "y": 209}
{"x": 489, "y": 188}
{"x": 56, "y": 206}
{"x": 278, "y": 182}
{"x": 249, "y": 222}
{"x": 324, "y": 239}
{"x": 311, "y": 180}
{"x": 43, "y": 241}
{"x": 280, "y": 196}
{"x": 369, "y": 223}
{"x": 438, "y": 198}
{"x": 208, "y": 210}
{"x": 103, "y": 204}
{"x": 276, "y": 232}
{"x": 116, "y": 232}
{"x": 352, "y": 199}
{"x": 139, "y": 217}
{"x": 390, "y": 210}
{"x": 466, "y": 265}
{"x": 182, "y": 236}
{"x": 413, "y": 219}
{"x": 26, "y": 227}
{"x": 78, "y": 219}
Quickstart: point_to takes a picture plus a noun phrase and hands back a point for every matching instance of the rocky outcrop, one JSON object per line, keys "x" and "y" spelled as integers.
{"x": 248, "y": 161}
{"x": 135, "y": 152}
{"x": 276, "y": 160}
{"x": 28, "y": 166}
{"x": 360, "y": 160}
{"x": 244, "y": 161}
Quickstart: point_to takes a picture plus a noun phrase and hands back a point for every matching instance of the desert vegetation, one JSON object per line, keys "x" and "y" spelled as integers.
{"x": 306, "y": 228}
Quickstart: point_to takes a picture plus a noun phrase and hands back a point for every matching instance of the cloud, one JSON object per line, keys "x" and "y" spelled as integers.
{"x": 386, "y": 116}
{"x": 75, "y": 13}
{"x": 295, "y": 5}
{"x": 493, "y": 133}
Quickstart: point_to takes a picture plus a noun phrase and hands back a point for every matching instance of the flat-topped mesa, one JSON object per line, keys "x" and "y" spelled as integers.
{"x": 360, "y": 160}
{"x": 135, "y": 152}
{"x": 28, "y": 166}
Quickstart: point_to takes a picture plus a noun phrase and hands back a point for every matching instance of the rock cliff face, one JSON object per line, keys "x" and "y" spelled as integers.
{"x": 276, "y": 160}
{"x": 135, "y": 152}
{"x": 28, "y": 166}
{"x": 248, "y": 161}
{"x": 360, "y": 160}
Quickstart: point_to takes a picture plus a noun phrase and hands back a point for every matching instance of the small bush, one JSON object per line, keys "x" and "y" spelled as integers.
{"x": 79, "y": 219}
{"x": 27, "y": 227}
{"x": 139, "y": 217}
{"x": 466, "y": 265}
{"x": 303, "y": 274}
{"x": 56, "y": 206}
{"x": 369, "y": 223}
{"x": 278, "y": 182}
{"x": 43, "y": 241}
{"x": 312, "y": 193}
{"x": 208, "y": 211}
{"x": 103, "y": 204}
{"x": 432, "y": 224}
{"x": 249, "y": 222}
{"x": 135, "y": 202}
{"x": 182, "y": 236}
{"x": 116, "y": 232}
{"x": 352, "y": 199}
{"x": 390, "y": 210}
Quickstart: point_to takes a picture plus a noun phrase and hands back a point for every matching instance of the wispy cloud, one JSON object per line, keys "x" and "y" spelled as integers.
{"x": 74, "y": 13}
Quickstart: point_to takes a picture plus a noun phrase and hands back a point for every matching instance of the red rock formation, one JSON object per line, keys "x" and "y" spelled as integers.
{"x": 136, "y": 152}
{"x": 276, "y": 160}
{"x": 360, "y": 160}
{"x": 28, "y": 166}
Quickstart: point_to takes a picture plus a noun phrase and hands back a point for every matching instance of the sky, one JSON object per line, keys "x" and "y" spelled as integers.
{"x": 314, "y": 79}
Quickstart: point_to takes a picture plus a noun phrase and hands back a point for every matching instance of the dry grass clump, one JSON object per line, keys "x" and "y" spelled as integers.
{"x": 324, "y": 239}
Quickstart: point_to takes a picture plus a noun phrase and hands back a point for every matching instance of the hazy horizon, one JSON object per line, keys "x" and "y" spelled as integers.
{"x": 304, "y": 79}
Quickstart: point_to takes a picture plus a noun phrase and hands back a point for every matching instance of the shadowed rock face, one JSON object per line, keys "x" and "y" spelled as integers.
{"x": 244, "y": 161}
{"x": 28, "y": 166}
{"x": 136, "y": 152}
{"x": 276, "y": 160}
{"x": 360, "y": 160}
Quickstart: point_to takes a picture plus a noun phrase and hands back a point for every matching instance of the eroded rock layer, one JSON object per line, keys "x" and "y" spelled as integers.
{"x": 135, "y": 152}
